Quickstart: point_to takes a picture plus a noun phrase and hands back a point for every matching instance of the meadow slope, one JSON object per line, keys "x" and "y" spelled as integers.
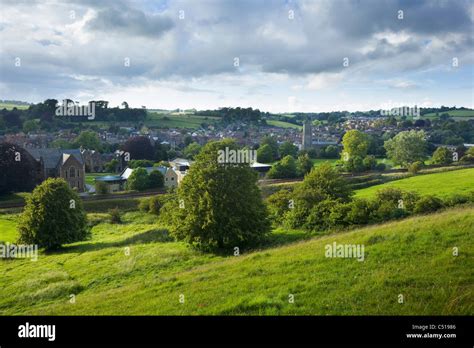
{"x": 413, "y": 257}
{"x": 444, "y": 184}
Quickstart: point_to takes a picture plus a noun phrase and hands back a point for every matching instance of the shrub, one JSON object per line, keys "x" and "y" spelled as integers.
{"x": 369, "y": 162}
{"x": 138, "y": 180}
{"x": 115, "y": 216}
{"x": 278, "y": 204}
{"x": 155, "y": 179}
{"x": 428, "y": 204}
{"x": 456, "y": 199}
{"x": 442, "y": 156}
{"x": 144, "y": 205}
{"x": 53, "y": 216}
{"x": 359, "y": 212}
{"x": 415, "y": 167}
{"x": 154, "y": 205}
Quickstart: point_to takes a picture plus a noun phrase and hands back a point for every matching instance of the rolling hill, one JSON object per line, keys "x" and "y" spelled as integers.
{"x": 413, "y": 258}
{"x": 442, "y": 184}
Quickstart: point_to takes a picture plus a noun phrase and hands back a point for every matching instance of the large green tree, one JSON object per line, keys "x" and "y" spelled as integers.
{"x": 218, "y": 205}
{"x": 288, "y": 149}
{"x": 138, "y": 180}
{"x": 53, "y": 216}
{"x": 356, "y": 144}
{"x": 407, "y": 147}
{"x": 442, "y": 156}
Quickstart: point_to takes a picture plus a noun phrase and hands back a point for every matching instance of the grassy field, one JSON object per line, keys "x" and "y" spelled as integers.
{"x": 283, "y": 124}
{"x": 8, "y": 232}
{"x": 10, "y": 106}
{"x": 453, "y": 113}
{"x": 160, "y": 120}
{"x": 443, "y": 184}
{"x": 411, "y": 257}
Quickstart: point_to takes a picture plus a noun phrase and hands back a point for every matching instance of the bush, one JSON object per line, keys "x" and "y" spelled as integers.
{"x": 278, "y": 204}
{"x": 138, "y": 180}
{"x": 154, "y": 205}
{"x": 456, "y": 199}
{"x": 359, "y": 212}
{"x": 53, "y": 216}
{"x": 155, "y": 179}
{"x": 415, "y": 167}
{"x": 115, "y": 217}
{"x": 369, "y": 162}
{"x": 428, "y": 204}
{"x": 144, "y": 205}
{"x": 442, "y": 156}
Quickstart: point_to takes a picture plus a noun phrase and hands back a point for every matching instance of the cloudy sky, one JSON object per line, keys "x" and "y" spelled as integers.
{"x": 278, "y": 56}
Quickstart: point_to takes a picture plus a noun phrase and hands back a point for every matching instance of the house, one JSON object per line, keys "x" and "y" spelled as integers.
{"x": 57, "y": 163}
{"x": 93, "y": 161}
{"x": 114, "y": 183}
{"x": 172, "y": 176}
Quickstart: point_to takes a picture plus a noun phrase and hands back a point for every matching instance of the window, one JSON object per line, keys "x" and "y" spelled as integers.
{"x": 172, "y": 179}
{"x": 72, "y": 172}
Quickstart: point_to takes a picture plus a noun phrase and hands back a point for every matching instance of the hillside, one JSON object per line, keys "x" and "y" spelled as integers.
{"x": 411, "y": 257}
{"x": 442, "y": 184}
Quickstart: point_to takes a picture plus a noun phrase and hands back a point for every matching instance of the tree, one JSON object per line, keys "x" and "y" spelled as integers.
{"x": 314, "y": 197}
{"x": 30, "y": 126}
{"x": 155, "y": 179}
{"x": 89, "y": 140}
{"x": 265, "y": 154}
{"x": 407, "y": 147}
{"x": 272, "y": 143}
{"x": 139, "y": 148}
{"x": 218, "y": 206}
{"x": 112, "y": 165}
{"x": 140, "y": 163}
{"x": 355, "y": 143}
{"x": 53, "y": 216}
{"x": 288, "y": 149}
{"x": 286, "y": 168}
{"x": 19, "y": 171}
{"x": 304, "y": 164}
{"x": 192, "y": 150}
{"x": 138, "y": 180}
{"x": 442, "y": 156}
{"x": 331, "y": 151}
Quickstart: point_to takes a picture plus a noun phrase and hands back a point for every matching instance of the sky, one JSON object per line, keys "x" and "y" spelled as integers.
{"x": 277, "y": 56}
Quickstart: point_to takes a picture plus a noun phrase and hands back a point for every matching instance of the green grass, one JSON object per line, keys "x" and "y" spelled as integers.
{"x": 160, "y": 120}
{"x": 411, "y": 257}
{"x": 8, "y": 232}
{"x": 452, "y": 113}
{"x": 283, "y": 124}
{"x": 10, "y": 106}
{"x": 442, "y": 184}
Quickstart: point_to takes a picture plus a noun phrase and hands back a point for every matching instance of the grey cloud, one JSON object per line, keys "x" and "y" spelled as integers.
{"x": 130, "y": 22}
